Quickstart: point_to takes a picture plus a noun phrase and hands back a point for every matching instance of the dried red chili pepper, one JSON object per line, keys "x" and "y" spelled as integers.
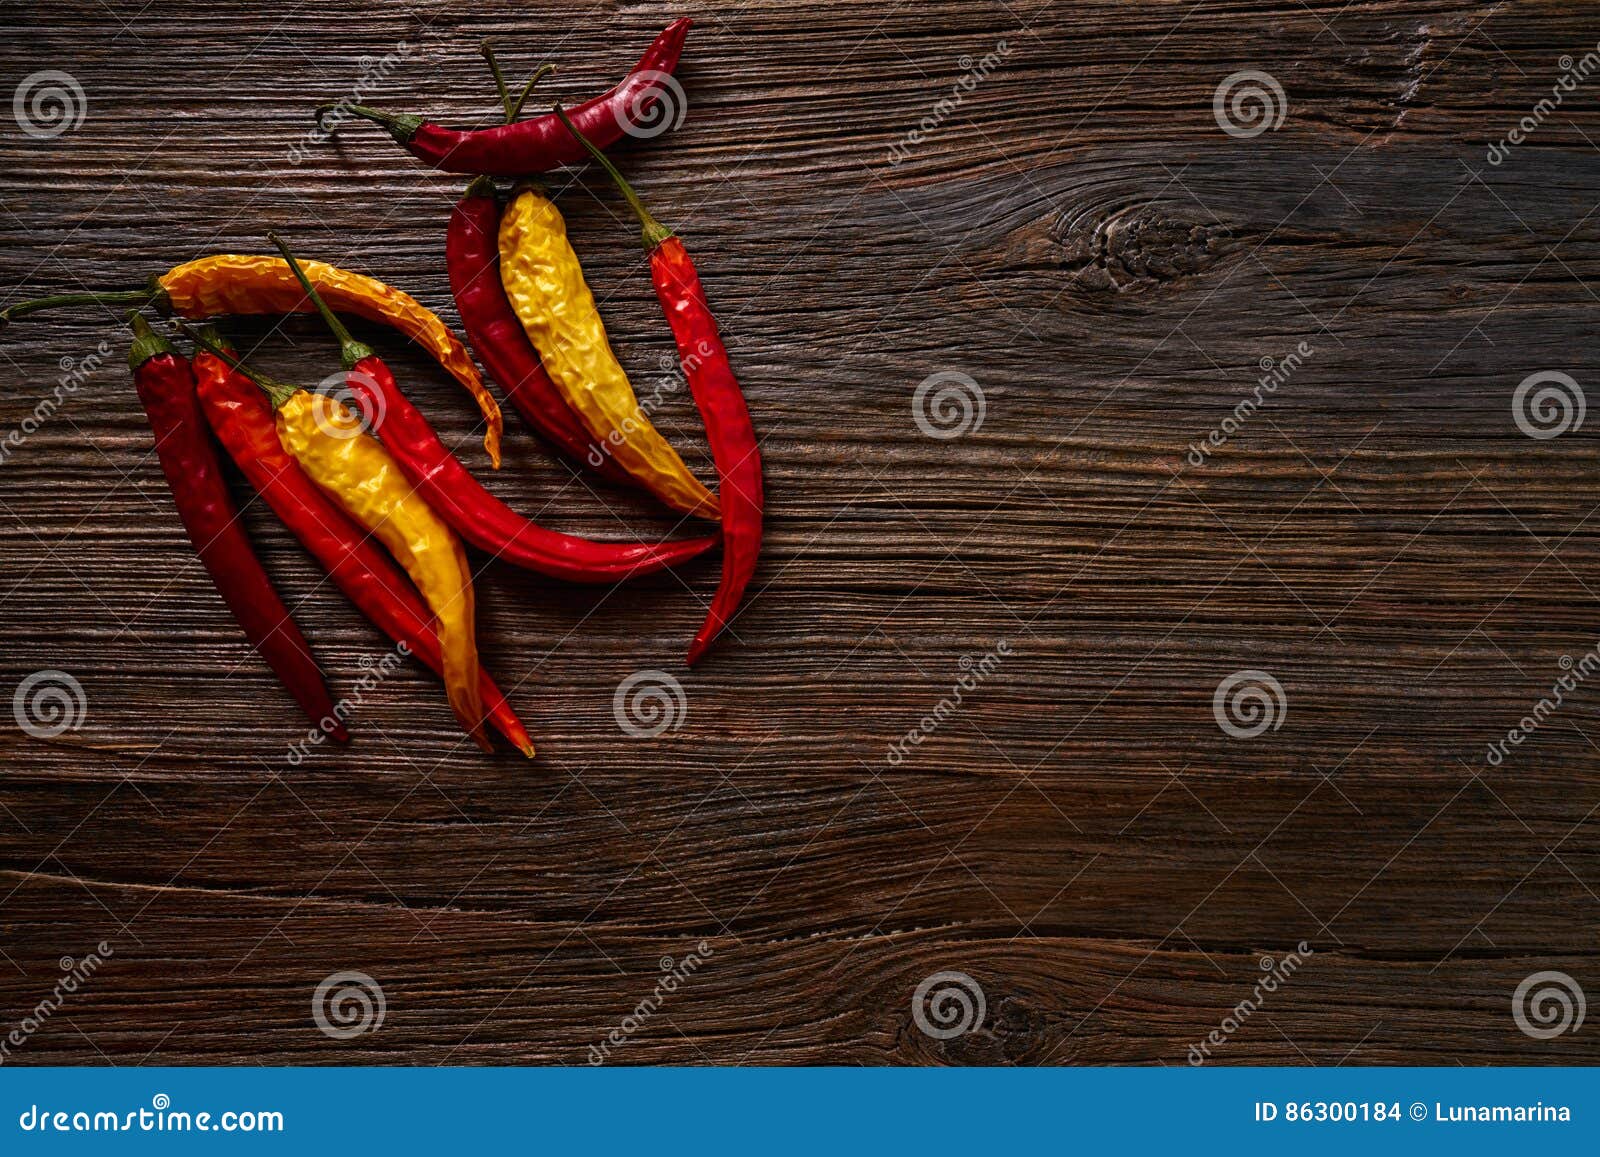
{"x": 238, "y": 283}
{"x": 729, "y": 432}
{"x": 472, "y": 254}
{"x": 460, "y": 499}
{"x": 540, "y": 144}
{"x": 166, "y": 388}
{"x": 243, "y": 420}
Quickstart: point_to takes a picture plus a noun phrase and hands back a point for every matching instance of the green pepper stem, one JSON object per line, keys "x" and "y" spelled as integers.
{"x": 214, "y": 335}
{"x": 652, "y": 232}
{"x": 401, "y": 125}
{"x": 113, "y": 297}
{"x": 350, "y": 350}
{"x": 480, "y": 187}
{"x": 279, "y": 392}
{"x": 539, "y": 74}
{"x": 147, "y": 343}
{"x": 512, "y": 107}
{"x": 487, "y": 49}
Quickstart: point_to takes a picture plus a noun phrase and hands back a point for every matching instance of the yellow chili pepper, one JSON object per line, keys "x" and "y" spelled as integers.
{"x": 352, "y": 467}
{"x": 545, "y": 284}
{"x": 232, "y": 283}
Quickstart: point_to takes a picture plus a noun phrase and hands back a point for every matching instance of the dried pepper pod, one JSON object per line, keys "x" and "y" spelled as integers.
{"x": 242, "y": 418}
{"x": 545, "y": 286}
{"x": 474, "y": 513}
{"x": 540, "y": 144}
{"x": 716, "y": 391}
{"x": 166, "y": 389}
{"x": 472, "y": 256}
{"x": 232, "y": 283}
{"x": 327, "y": 440}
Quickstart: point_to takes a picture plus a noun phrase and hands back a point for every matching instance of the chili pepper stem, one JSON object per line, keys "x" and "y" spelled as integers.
{"x": 147, "y": 343}
{"x": 110, "y": 297}
{"x": 401, "y": 125}
{"x": 487, "y": 49}
{"x": 480, "y": 187}
{"x": 279, "y": 392}
{"x": 213, "y": 335}
{"x": 539, "y": 74}
{"x": 350, "y": 350}
{"x": 512, "y": 107}
{"x": 652, "y": 232}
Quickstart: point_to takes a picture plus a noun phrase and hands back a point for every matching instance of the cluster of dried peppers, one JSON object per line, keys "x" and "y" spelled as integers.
{"x": 386, "y": 509}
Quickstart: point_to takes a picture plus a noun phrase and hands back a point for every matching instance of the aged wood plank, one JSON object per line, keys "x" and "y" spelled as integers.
{"x": 1079, "y": 238}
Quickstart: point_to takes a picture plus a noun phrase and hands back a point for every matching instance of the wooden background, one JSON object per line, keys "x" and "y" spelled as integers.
{"x": 1081, "y": 837}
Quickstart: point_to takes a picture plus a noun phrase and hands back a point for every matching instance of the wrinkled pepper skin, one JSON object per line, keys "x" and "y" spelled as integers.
{"x": 326, "y": 439}
{"x": 704, "y": 358}
{"x": 166, "y": 388}
{"x": 481, "y": 518}
{"x": 472, "y": 256}
{"x": 242, "y": 418}
{"x": 540, "y": 143}
{"x": 239, "y": 284}
{"x": 728, "y": 429}
{"x": 545, "y": 285}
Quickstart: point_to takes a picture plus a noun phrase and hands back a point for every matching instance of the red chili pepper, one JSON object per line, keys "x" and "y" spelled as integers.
{"x": 472, "y": 254}
{"x": 716, "y": 391}
{"x": 242, "y": 417}
{"x": 539, "y": 144}
{"x": 460, "y": 499}
{"x": 189, "y": 460}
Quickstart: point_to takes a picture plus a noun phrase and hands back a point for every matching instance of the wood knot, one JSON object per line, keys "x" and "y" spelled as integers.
{"x": 1014, "y": 1033}
{"x": 1136, "y": 246}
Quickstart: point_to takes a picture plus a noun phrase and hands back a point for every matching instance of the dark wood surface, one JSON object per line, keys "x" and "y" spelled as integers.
{"x": 1080, "y": 837}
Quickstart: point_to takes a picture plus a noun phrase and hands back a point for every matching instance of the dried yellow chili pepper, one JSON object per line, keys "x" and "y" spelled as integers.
{"x": 354, "y": 469}
{"x": 232, "y": 283}
{"x": 545, "y": 283}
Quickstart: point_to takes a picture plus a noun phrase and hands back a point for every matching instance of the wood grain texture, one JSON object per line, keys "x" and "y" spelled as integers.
{"x": 1080, "y": 836}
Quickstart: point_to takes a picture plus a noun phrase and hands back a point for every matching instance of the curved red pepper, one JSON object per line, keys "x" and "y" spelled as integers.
{"x": 242, "y": 417}
{"x": 473, "y": 258}
{"x": 729, "y": 431}
{"x": 460, "y": 499}
{"x": 540, "y": 143}
{"x": 166, "y": 388}
{"x": 480, "y": 517}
